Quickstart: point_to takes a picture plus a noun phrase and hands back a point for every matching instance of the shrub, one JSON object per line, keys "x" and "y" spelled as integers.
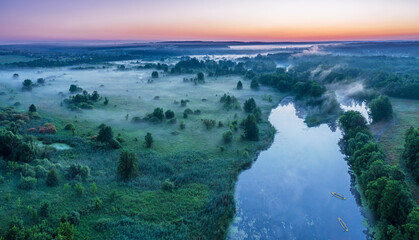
{"x": 74, "y": 218}
{"x": 27, "y": 183}
{"x": 74, "y": 88}
{"x": 27, "y": 85}
{"x": 148, "y": 140}
{"x": 158, "y": 113}
{"x": 239, "y": 85}
{"x": 182, "y": 125}
{"x": 127, "y": 166}
{"x": 251, "y": 129}
{"x": 105, "y": 134}
{"x": 78, "y": 170}
{"x": 227, "y": 136}
{"x": 40, "y": 171}
{"x": 249, "y": 105}
{"x": 32, "y": 108}
{"x": 169, "y": 114}
{"x": 254, "y": 84}
{"x": 44, "y": 210}
{"x": 52, "y": 178}
{"x": 200, "y": 76}
{"x": 98, "y": 203}
{"x": 380, "y": 109}
{"x": 154, "y": 74}
{"x": 93, "y": 188}
{"x": 209, "y": 123}
{"x": 79, "y": 189}
{"x": 167, "y": 185}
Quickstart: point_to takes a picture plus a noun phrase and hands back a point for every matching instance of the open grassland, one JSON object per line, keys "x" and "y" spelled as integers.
{"x": 406, "y": 113}
{"x": 202, "y": 168}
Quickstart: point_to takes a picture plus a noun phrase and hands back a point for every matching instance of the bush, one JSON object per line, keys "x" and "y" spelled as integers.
{"x": 254, "y": 84}
{"x": 158, "y": 113}
{"x": 78, "y": 170}
{"x": 411, "y": 152}
{"x": 239, "y": 85}
{"x": 251, "y": 129}
{"x": 167, "y": 185}
{"x": 250, "y": 105}
{"x": 98, "y": 203}
{"x": 200, "y": 76}
{"x": 52, "y": 178}
{"x": 105, "y": 134}
{"x": 154, "y": 74}
{"x": 27, "y": 85}
{"x": 148, "y": 140}
{"x": 380, "y": 109}
{"x": 79, "y": 189}
{"x": 27, "y": 183}
{"x": 182, "y": 125}
{"x": 74, "y": 218}
{"x": 127, "y": 166}
{"x": 32, "y": 108}
{"x": 44, "y": 210}
{"x": 169, "y": 114}
{"x": 227, "y": 136}
{"x": 74, "y": 88}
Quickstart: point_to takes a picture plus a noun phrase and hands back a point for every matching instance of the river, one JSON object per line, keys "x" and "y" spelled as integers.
{"x": 286, "y": 194}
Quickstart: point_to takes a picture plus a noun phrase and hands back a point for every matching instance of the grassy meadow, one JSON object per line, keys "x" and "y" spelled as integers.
{"x": 201, "y": 167}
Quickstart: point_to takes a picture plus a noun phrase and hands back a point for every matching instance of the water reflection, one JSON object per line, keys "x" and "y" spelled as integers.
{"x": 287, "y": 192}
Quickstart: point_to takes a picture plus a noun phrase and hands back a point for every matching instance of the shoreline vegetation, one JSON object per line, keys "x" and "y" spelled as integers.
{"x": 142, "y": 165}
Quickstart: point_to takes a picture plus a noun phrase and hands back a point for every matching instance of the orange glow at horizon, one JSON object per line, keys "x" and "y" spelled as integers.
{"x": 245, "y": 20}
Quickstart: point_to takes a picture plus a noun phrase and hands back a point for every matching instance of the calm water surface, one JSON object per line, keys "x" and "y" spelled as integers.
{"x": 287, "y": 192}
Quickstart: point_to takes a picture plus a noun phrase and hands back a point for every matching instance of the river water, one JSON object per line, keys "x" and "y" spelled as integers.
{"x": 286, "y": 194}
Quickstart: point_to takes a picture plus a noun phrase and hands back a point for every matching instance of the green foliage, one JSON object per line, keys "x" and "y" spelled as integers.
{"x": 106, "y": 102}
{"x": 93, "y": 188}
{"x": 411, "y": 151}
{"x": 27, "y": 85}
{"x": 250, "y": 105}
{"x": 209, "y": 123}
{"x": 158, "y": 114}
{"x": 154, "y": 74}
{"x": 44, "y": 210}
{"x": 227, "y": 136}
{"x": 380, "y": 109}
{"x": 98, "y": 203}
{"x": 200, "y": 76}
{"x": 169, "y": 114}
{"x": 106, "y": 136}
{"x": 78, "y": 171}
{"x": 383, "y": 186}
{"x": 65, "y": 231}
{"x": 230, "y": 102}
{"x": 52, "y": 178}
{"x": 251, "y": 129}
{"x": 148, "y": 140}
{"x": 167, "y": 185}
{"x": 74, "y": 88}
{"x": 254, "y": 84}
{"x": 32, "y": 108}
{"x": 128, "y": 165}
{"x": 182, "y": 125}
{"x": 239, "y": 85}
{"x": 27, "y": 183}
{"x": 13, "y": 147}
{"x": 79, "y": 189}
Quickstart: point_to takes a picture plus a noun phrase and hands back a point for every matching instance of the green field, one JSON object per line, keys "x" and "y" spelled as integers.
{"x": 202, "y": 168}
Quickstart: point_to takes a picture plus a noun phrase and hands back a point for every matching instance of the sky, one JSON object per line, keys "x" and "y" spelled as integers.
{"x": 217, "y": 20}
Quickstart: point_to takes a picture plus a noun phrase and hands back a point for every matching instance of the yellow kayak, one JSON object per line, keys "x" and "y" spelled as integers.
{"x": 342, "y": 223}
{"x": 338, "y": 196}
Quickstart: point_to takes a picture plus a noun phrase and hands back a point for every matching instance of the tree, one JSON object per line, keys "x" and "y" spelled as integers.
{"x": 251, "y": 129}
{"x": 254, "y": 84}
{"x": 74, "y": 88}
{"x": 44, "y": 211}
{"x": 27, "y": 85}
{"x": 65, "y": 231}
{"x": 353, "y": 122}
{"x": 200, "y": 76}
{"x": 32, "y": 108}
{"x": 95, "y": 96}
{"x": 239, "y": 85}
{"x": 380, "y": 109}
{"x": 148, "y": 140}
{"x": 106, "y": 101}
{"x": 105, "y": 134}
{"x": 227, "y": 136}
{"x": 395, "y": 203}
{"x": 127, "y": 166}
{"x": 158, "y": 113}
{"x": 154, "y": 74}
{"x": 52, "y": 178}
{"x": 249, "y": 105}
{"x": 169, "y": 114}
{"x": 411, "y": 151}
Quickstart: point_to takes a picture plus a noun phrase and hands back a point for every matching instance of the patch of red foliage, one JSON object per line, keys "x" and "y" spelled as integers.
{"x": 31, "y": 130}
{"x": 48, "y": 128}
